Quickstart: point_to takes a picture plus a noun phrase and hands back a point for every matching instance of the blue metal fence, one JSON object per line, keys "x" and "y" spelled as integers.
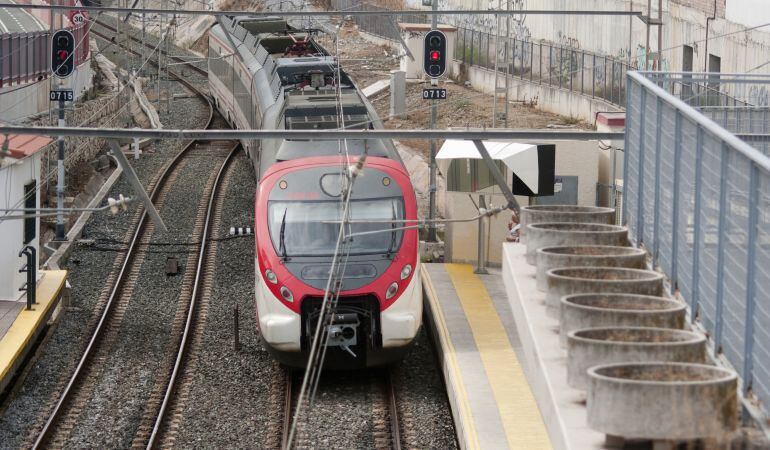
{"x": 698, "y": 198}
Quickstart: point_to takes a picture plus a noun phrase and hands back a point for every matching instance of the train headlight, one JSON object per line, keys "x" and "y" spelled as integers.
{"x": 392, "y": 289}
{"x": 406, "y": 271}
{"x": 286, "y": 294}
{"x": 271, "y": 276}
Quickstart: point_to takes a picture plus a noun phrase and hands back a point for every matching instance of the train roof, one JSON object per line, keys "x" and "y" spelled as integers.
{"x": 313, "y": 96}
{"x": 294, "y": 149}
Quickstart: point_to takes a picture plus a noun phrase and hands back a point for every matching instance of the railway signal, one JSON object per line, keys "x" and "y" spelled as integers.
{"x": 63, "y": 53}
{"x": 435, "y": 56}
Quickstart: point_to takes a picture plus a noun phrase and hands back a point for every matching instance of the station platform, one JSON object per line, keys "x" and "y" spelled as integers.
{"x": 19, "y": 328}
{"x": 479, "y": 350}
{"x": 563, "y": 407}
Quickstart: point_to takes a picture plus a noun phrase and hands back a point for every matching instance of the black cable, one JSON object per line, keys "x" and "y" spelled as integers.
{"x": 99, "y": 241}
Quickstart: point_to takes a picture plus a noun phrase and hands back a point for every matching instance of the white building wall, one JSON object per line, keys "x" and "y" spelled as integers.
{"x": 20, "y": 102}
{"x": 625, "y": 37}
{"x": 750, "y": 13}
{"x": 13, "y": 177}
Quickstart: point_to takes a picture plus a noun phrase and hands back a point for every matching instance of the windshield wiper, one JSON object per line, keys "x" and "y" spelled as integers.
{"x": 392, "y": 233}
{"x": 281, "y": 242}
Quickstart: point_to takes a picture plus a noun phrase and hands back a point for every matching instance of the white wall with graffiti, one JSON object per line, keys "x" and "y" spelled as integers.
{"x": 625, "y": 37}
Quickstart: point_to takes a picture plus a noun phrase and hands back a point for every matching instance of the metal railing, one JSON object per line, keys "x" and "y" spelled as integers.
{"x": 381, "y": 26}
{"x": 579, "y": 71}
{"x": 739, "y": 103}
{"x": 698, "y": 198}
{"x": 586, "y": 73}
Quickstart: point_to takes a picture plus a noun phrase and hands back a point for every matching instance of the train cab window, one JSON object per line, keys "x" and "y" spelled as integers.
{"x": 297, "y": 228}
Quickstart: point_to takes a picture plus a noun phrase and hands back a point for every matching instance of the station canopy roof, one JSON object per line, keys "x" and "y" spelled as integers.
{"x": 521, "y": 159}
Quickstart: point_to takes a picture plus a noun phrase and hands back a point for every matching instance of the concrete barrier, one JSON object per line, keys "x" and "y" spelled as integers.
{"x": 552, "y": 234}
{"x": 662, "y": 401}
{"x": 548, "y": 258}
{"x": 585, "y": 280}
{"x": 564, "y": 213}
{"x": 596, "y": 346}
{"x": 581, "y": 311}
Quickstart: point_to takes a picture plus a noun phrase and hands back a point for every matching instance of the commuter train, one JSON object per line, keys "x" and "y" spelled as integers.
{"x": 266, "y": 74}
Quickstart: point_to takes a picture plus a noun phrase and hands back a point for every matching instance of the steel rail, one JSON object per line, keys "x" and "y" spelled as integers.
{"x": 395, "y": 424}
{"x": 287, "y": 402}
{"x": 55, "y": 415}
{"x": 448, "y": 12}
{"x": 182, "y": 351}
{"x": 49, "y": 427}
{"x": 179, "y": 60}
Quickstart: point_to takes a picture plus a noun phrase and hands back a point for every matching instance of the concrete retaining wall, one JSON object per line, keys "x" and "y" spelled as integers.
{"x": 20, "y": 102}
{"x": 546, "y": 98}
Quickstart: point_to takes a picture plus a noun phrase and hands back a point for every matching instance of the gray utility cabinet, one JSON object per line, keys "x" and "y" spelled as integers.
{"x": 565, "y": 192}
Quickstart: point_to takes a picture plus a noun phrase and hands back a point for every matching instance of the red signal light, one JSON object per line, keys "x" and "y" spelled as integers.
{"x": 435, "y": 55}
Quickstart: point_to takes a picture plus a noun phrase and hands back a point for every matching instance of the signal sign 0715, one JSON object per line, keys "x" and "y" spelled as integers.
{"x": 434, "y": 94}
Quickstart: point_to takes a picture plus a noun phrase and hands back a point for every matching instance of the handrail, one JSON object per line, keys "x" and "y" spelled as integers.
{"x": 754, "y": 155}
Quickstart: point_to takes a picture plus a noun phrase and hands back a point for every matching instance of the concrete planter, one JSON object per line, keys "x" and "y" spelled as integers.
{"x": 567, "y": 234}
{"x": 618, "y": 310}
{"x": 564, "y": 213}
{"x": 662, "y": 401}
{"x": 602, "y": 280}
{"x": 548, "y": 258}
{"x": 596, "y": 346}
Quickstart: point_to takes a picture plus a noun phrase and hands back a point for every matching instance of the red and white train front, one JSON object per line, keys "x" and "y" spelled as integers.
{"x": 379, "y": 311}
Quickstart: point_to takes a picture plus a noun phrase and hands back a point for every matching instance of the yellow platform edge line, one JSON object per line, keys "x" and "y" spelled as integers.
{"x": 520, "y": 415}
{"x": 16, "y": 340}
{"x": 454, "y": 377}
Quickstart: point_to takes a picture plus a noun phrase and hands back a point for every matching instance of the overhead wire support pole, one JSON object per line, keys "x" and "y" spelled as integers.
{"x": 509, "y": 63}
{"x": 60, "y": 181}
{"x": 60, "y": 235}
{"x": 133, "y": 180}
{"x": 497, "y": 67}
{"x": 498, "y": 176}
{"x": 433, "y": 118}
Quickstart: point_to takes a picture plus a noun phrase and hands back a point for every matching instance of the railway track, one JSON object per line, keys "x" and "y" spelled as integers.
{"x": 147, "y": 45}
{"x": 380, "y": 391}
{"x": 74, "y": 399}
{"x": 159, "y": 413}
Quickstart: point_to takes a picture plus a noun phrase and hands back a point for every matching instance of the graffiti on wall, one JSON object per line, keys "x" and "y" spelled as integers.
{"x": 759, "y": 96}
{"x": 655, "y": 62}
{"x": 567, "y": 41}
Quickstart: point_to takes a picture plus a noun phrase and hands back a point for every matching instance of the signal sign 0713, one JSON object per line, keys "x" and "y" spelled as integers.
{"x": 434, "y": 94}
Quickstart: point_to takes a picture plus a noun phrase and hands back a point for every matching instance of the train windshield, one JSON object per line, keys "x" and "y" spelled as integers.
{"x": 297, "y": 228}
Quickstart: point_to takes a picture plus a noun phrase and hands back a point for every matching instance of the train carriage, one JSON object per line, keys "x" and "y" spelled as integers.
{"x": 265, "y": 74}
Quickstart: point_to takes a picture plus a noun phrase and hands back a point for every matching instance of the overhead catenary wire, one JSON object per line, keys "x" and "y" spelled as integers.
{"x": 319, "y": 345}
{"x": 353, "y": 174}
{"x": 71, "y": 155}
{"x": 327, "y": 315}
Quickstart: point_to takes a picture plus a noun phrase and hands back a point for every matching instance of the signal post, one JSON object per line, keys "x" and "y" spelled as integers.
{"x": 62, "y": 66}
{"x": 434, "y": 65}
